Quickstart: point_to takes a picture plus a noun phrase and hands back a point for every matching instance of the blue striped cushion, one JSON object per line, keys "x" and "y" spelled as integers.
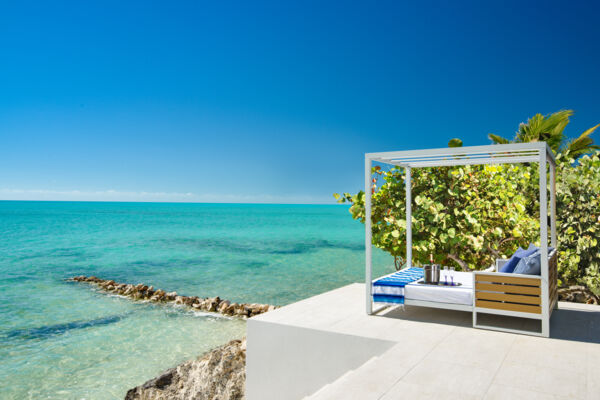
{"x": 401, "y": 278}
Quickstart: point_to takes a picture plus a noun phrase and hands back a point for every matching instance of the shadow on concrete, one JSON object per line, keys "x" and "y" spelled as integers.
{"x": 576, "y": 325}
{"x": 566, "y": 324}
{"x": 429, "y": 315}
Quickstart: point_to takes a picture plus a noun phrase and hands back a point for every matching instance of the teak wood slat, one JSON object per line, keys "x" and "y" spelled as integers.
{"x": 508, "y": 288}
{"x": 508, "y": 306}
{"x": 513, "y": 298}
{"x": 514, "y": 280}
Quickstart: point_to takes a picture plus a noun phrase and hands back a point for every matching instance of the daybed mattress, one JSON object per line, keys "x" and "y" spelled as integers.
{"x": 440, "y": 294}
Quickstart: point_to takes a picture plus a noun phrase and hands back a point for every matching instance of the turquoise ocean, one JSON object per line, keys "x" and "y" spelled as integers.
{"x": 63, "y": 340}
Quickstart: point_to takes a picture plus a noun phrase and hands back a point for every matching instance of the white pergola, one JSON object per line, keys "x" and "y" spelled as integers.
{"x": 538, "y": 152}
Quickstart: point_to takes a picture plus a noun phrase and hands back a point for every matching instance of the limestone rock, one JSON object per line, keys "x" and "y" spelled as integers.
{"x": 218, "y": 375}
{"x": 145, "y": 292}
{"x": 577, "y": 294}
{"x": 223, "y": 306}
{"x": 190, "y": 300}
{"x": 170, "y": 296}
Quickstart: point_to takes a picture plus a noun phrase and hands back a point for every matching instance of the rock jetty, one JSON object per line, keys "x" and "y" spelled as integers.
{"x": 219, "y": 374}
{"x": 148, "y": 293}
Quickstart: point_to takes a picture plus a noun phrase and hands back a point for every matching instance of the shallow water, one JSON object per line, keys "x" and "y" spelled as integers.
{"x": 65, "y": 340}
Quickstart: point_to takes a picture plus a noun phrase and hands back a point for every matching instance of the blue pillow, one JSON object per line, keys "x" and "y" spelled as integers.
{"x": 509, "y": 267}
{"x": 531, "y": 264}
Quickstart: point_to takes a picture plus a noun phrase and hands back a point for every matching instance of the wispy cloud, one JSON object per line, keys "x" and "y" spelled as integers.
{"x": 141, "y": 196}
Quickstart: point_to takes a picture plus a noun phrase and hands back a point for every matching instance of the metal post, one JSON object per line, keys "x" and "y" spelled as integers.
{"x": 408, "y": 218}
{"x": 553, "y": 241}
{"x": 368, "y": 234}
{"x": 544, "y": 244}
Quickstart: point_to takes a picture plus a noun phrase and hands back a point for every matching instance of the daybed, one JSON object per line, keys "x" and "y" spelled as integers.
{"x": 481, "y": 292}
{"x": 416, "y": 293}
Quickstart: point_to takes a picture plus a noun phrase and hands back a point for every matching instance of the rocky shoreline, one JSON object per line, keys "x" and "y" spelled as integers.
{"x": 148, "y": 293}
{"x": 219, "y": 374}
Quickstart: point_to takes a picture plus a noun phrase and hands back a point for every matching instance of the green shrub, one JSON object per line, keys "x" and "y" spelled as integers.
{"x": 471, "y": 215}
{"x": 468, "y": 216}
{"x": 578, "y": 214}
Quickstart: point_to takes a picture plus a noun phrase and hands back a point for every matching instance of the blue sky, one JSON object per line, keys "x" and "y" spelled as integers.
{"x": 270, "y": 101}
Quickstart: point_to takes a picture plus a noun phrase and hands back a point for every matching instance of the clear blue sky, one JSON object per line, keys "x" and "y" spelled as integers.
{"x": 270, "y": 101}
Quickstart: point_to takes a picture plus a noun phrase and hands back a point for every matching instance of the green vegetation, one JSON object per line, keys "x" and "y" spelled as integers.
{"x": 578, "y": 205}
{"x": 470, "y": 215}
{"x": 550, "y": 129}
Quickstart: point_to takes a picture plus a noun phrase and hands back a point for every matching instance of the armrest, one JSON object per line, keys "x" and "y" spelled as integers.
{"x": 500, "y": 262}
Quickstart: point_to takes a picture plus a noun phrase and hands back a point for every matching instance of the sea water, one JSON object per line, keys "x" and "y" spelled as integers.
{"x": 64, "y": 340}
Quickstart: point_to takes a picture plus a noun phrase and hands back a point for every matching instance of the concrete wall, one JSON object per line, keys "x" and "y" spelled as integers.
{"x": 286, "y": 362}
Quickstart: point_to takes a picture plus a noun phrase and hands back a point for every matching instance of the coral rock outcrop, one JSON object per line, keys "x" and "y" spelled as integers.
{"x": 219, "y": 374}
{"x": 148, "y": 293}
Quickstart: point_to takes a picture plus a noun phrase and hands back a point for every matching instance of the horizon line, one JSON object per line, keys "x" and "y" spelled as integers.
{"x": 132, "y": 196}
{"x": 334, "y": 203}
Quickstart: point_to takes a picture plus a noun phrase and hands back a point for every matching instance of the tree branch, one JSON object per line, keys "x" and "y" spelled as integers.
{"x": 505, "y": 240}
{"x": 460, "y": 262}
{"x": 494, "y": 252}
{"x": 398, "y": 261}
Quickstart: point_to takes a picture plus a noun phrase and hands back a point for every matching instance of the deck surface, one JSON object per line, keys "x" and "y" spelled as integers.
{"x": 438, "y": 355}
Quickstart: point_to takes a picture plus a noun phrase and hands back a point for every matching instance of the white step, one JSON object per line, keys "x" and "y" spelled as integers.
{"x": 329, "y": 390}
{"x": 374, "y": 378}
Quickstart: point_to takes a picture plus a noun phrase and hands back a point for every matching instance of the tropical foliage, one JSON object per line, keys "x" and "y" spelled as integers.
{"x": 578, "y": 205}
{"x": 550, "y": 129}
{"x": 468, "y": 216}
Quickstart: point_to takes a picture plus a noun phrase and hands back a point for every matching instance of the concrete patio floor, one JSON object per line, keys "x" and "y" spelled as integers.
{"x": 326, "y": 347}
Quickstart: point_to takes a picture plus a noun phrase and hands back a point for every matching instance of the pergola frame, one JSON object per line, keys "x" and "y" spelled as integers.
{"x": 457, "y": 156}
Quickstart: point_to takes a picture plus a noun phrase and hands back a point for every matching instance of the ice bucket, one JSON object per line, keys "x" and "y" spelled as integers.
{"x": 431, "y": 274}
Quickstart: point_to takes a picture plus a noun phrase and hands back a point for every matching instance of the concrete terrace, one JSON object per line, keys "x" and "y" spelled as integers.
{"x": 326, "y": 347}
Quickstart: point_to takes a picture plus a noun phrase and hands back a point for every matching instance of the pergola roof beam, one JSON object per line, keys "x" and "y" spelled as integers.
{"x": 458, "y": 162}
{"x": 509, "y": 153}
{"x": 464, "y": 156}
{"x": 452, "y": 151}
{"x": 473, "y": 161}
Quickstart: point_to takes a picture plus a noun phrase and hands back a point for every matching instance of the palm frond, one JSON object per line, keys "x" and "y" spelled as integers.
{"x": 588, "y": 132}
{"x": 553, "y": 128}
{"x": 498, "y": 139}
{"x": 548, "y": 128}
{"x": 583, "y": 144}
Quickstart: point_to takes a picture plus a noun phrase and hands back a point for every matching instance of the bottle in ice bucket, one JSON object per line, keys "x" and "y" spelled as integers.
{"x": 431, "y": 272}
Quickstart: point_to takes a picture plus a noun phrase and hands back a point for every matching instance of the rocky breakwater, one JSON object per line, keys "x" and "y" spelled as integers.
{"x": 219, "y": 374}
{"x": 148, "y": 293}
